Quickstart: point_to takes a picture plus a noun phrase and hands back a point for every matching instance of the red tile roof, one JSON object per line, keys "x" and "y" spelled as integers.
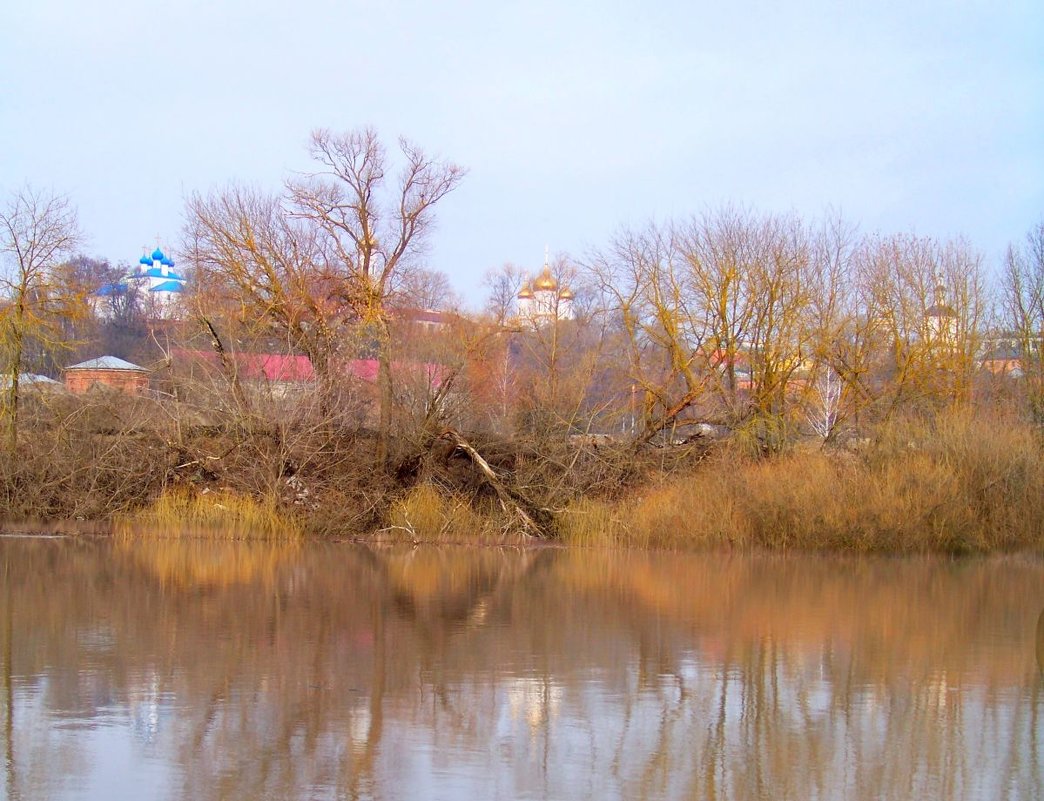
{"x": 277, "y": 367}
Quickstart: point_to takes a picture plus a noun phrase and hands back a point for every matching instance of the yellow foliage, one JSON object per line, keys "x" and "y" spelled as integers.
{"x": 220, "y": 515}
{"x": 428, "y": 514}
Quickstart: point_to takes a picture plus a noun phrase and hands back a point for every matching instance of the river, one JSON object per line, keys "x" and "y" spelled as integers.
{"x": 173, "y": 669}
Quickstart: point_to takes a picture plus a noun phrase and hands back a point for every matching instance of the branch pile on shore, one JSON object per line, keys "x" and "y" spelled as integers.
{"x": 957, "y": 483}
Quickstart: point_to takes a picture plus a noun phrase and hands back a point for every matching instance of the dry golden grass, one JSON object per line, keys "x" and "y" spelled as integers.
{"x": 216, "y": 515}
{"x": 427, "y": 513}
{"x": 591, "y": 522}
{"x": 959, "y": 485}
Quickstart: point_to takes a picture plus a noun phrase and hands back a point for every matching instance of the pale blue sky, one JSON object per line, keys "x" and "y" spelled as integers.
{"x": 573, "y": 118}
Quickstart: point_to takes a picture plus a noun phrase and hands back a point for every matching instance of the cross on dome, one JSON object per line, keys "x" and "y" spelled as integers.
{"x": 544, "y": 298}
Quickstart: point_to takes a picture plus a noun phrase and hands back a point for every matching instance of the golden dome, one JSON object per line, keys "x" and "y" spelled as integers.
{"x": 567, "y": 294}
{"x": 525, "y": 292}
{"x": 545, "y": 281}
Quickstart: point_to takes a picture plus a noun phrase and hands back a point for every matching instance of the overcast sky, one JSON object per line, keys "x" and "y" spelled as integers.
{"x": 572, "y": 118}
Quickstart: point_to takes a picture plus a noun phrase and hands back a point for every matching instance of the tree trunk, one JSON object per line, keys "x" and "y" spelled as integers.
{"x": 13, "y": 376}
{"x": 525, "y": 511}
{"x": 229, "y": 368}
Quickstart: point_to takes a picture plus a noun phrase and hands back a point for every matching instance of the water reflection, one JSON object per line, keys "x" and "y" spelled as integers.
{"x": 1040, "y": 642}
{"x": 206, "y": 563}
{"x": 221, "y": 670}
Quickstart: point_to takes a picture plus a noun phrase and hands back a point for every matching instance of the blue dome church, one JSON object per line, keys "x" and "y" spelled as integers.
{"x": 157, "y": 287}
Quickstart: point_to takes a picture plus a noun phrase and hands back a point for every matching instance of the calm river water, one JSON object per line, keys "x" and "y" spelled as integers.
{"x": 200, "y": 670}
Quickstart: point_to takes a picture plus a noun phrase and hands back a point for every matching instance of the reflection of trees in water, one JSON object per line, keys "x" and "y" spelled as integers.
{"x": 10, "y": 780}
{"x": 551, "y": 673}
{"x": 1040, "y": 642}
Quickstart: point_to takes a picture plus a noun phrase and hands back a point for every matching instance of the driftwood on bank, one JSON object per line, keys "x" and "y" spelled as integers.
{"x": 512, "y": 503}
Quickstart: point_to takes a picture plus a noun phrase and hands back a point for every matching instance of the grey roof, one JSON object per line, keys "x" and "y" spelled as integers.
{"x": 106, "y": 363}
{"x": 28, "y": 378}
{"x": 1003, "y": 352}
{"x": 940, "y": 310}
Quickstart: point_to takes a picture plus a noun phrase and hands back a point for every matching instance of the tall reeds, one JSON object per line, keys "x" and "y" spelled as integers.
{"x": 957, "y": 484}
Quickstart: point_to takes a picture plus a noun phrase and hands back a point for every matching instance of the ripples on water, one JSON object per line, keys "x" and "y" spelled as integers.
{"x": 173, "y": 669}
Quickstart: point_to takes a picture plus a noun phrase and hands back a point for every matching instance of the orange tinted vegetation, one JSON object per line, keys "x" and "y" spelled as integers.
{"x": 961, "y": 484}
{"x": 196, "y": 562}
{"x": 426, "y": 514}
{"x": 221, "y": 515}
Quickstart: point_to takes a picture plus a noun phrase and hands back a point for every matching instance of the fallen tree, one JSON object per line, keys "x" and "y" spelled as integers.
{"x": 511, "y": 502}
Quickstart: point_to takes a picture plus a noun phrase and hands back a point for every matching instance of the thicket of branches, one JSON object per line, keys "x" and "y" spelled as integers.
{"x": 756, "y": 336}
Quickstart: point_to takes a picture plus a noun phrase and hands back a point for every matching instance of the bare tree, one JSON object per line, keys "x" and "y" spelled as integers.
{"x": 502, "y": 288}
{"x": 367, "y": 230}
{"x": 721, "y": 259}
{"x": 423, "y": 289}
{"x": 37, "y": 230}
{"x": 647, "y": 296}
{"x": 118, "y": 322}
{"x": 824, "y": 405}
{"x": 1023, "y": 301}
{"x": 924, "y": 302}
{"x": 262, "y": 266}
{"x": 320, "y": 264}
{"x": 720, "y": 314}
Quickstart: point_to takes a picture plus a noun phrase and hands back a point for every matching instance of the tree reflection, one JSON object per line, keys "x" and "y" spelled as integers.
{"x": 1040, "y": 642}
{"x": 336, "y": 671}
{"x": 10, "y": 785}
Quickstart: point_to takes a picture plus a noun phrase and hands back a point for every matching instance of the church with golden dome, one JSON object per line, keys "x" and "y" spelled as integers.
{"x": 544, "y": 299}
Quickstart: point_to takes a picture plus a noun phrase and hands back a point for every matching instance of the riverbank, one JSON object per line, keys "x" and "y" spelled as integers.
{"x": 957, "y": 492}
{"x": 961, "y": 485}
{"x": 956, "y": 483}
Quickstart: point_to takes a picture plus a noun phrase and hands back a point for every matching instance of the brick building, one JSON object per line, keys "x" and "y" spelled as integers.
{"x": 106, "y": 371}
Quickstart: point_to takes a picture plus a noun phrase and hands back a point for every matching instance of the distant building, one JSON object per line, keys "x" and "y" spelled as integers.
{"x": 31, "y": 382}
{"x": 282, "y": 374}
{"x": 941, "y": 318}
{"x": 106, "y": 371}
{"x": 543, "y": 299}
{"x": 429, "y": 321}
{"x": 275, "y": 374}
{"x": 154, "y": 285}
{"x": 1011, "y": 354}
{"x": 1004, "y": 359}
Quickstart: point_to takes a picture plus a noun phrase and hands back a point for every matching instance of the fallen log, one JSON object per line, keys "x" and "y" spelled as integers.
{"x": 510, "y": 501}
